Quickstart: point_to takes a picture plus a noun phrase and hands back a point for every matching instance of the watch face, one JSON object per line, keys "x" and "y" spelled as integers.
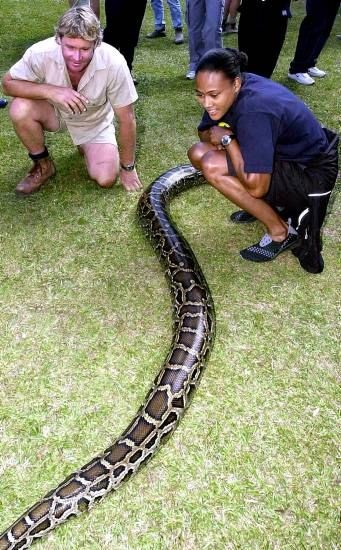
{"x": 225, "y": 140}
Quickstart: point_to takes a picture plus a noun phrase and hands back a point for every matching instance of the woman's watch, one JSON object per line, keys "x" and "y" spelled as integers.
{"x": 128, "y": 167}
{"x": 226, "y": 140}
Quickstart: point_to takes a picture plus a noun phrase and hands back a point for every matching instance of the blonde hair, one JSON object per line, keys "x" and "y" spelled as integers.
{"x": 80, "y": 23}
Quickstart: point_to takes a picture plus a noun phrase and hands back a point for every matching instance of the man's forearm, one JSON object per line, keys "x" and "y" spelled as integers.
{"x": 24, "y": 88}
{"x": 127, "y": 141}
{"x": 63, "y": 97}
{"x": 127, "y": 144}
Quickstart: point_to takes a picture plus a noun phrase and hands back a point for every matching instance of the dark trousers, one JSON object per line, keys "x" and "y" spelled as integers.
{"x": 313, "y": 34}
{"x": 304, "y": 191}
{"x": 123, "y": 23}
{"x": 261, "y": 36}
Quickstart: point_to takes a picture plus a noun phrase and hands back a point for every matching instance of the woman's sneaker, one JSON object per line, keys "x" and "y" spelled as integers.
{"x": 241, "y": 216}
{"x": 267, "y": 249}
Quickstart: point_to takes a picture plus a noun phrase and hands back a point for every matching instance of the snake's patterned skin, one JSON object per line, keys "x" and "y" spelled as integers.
{"x": 169, "y": 396}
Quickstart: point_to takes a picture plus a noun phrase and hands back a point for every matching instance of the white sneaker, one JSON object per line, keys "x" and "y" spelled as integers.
{"x": 190, "y": 75}
{"x": 302, "y": 78}
{"x": 316, "y": 72}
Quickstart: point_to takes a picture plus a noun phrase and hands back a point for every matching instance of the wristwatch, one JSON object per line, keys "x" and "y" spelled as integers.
{"x": 226, "y": 140}
{"x": 128, "y": 167}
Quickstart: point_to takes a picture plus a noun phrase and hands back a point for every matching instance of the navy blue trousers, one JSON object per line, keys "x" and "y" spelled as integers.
{"x": 124, "y": 20}
{"x": 313, "y": 34}
{"x": 261, "y": 35}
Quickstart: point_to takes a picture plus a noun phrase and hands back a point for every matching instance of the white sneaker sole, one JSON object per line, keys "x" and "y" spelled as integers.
{"x": 297, "y": 79}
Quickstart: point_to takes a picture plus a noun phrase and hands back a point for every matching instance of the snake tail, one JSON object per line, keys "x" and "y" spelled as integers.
{"x": 165, "y": 403}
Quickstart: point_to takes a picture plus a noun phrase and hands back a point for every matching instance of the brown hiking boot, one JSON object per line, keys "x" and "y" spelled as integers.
{"x": 40, "y": 172}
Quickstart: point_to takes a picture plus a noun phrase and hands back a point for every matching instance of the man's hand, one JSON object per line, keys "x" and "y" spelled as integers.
{"x": 130, "y": 180}
{"x": 67, "y": 99}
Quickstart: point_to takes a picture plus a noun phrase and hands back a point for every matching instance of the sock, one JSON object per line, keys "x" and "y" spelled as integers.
{"x": 39, "y": 156}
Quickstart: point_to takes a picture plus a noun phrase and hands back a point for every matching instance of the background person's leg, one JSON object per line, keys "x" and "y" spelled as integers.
{"x": 94, "y": 4}
{"x": 195, "y": 17}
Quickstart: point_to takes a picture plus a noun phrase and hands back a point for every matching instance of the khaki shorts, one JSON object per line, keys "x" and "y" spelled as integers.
{"x": 107, "y": 135}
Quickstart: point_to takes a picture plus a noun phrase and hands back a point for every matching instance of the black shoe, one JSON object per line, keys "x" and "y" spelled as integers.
{"x": 242, "y": 217}
{"x": 267, "y": 249}
{"x": 3, "y": 103}
{"x": 157, "y": 33}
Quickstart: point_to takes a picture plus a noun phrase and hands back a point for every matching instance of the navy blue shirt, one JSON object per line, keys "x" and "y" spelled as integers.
{"x": 271, "y": 123}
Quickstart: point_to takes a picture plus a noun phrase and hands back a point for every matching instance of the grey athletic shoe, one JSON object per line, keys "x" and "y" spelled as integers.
{"x": 267, "y": 249}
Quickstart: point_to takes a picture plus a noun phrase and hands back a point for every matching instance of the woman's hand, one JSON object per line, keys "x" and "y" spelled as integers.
{"x": 216, "y": 133}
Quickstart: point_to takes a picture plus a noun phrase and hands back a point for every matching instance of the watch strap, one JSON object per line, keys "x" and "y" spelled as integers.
{"x": 128, "y": 167}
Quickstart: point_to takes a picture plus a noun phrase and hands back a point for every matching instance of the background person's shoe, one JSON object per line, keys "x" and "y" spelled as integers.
{"x": 316, "y": 72}
{"x": 3, "y": 103}
{"x": 190, "y": 75}
{"x": 302, "y": 78}
{"x": 179, "y": 37}
{"x": 231, "y": 28}
{"x": 157, "y": 33}
{"x": 41, "y": 171}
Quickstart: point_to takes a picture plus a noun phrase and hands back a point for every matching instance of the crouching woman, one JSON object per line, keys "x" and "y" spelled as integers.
{"x": 264, "y": 150}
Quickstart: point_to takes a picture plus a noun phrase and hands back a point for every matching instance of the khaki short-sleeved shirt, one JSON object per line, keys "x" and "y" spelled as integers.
{"x": 106, "y": 83}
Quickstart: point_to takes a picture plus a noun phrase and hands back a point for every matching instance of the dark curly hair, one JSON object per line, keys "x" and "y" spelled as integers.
{"x": 229, "y": 61}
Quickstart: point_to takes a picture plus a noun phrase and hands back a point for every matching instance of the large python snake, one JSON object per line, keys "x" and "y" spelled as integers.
{"x": 168, "y": 398}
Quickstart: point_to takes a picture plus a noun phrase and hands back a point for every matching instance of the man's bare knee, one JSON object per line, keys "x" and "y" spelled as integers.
{"x": 104, "y": 180}
{"x": 20, "y": 109}
{"x": 105, "y": 183}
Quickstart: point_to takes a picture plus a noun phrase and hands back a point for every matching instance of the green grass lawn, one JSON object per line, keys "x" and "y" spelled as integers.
{"x": 85, "y": 323}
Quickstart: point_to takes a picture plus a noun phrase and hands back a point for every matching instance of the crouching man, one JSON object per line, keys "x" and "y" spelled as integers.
{"x": 74, "y": 81}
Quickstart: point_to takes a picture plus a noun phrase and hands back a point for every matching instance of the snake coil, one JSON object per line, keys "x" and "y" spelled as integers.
{"x": 169, "y": 396}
